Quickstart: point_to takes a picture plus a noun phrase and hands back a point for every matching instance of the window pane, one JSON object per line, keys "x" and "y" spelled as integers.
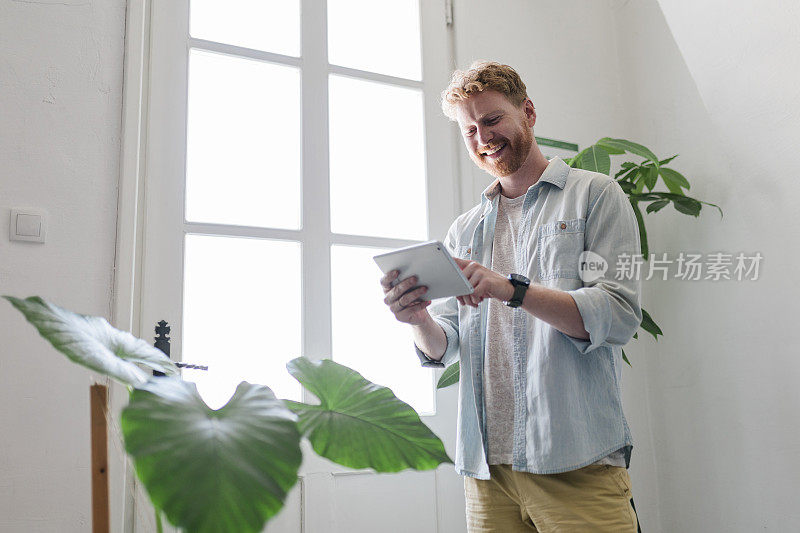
{"x": 376, "y": 36}
{"x": 377, "y": 160}
{"x": 243, "y": 142}
{"x": 241, "y": 314}
{"x": 269, "y": 25}
{"x": 367, "y": 337}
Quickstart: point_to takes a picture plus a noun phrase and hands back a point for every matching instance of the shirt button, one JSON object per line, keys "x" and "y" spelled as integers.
{"x": 563, "y": 226}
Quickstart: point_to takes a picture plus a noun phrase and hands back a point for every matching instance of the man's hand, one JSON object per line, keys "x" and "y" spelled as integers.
{"x": 487, "y": 283}
{"x": 403, "y": 301}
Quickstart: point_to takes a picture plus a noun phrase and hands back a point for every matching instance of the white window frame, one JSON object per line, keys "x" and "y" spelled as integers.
{"x": 146, "y": 124}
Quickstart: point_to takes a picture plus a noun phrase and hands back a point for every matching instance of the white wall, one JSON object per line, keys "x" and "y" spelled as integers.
{"x": 60, "y": 104}
{"x": 717, "y": 82}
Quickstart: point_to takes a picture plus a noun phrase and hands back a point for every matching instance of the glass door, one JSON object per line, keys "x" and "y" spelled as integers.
{"x": 288, "y": 142}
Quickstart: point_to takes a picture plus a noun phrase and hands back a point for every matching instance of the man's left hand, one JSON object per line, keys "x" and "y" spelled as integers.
{"x": 487, "y": 283}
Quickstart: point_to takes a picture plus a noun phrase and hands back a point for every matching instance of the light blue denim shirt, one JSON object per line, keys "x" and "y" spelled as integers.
{"x": 567, "y": 405}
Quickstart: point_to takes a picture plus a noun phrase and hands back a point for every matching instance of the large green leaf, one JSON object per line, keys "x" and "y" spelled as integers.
{"x": 674, "y": 180}
{"x": 92, "y": 342}
{"x": 212, "y": 471}
{"x": 687, "y": 206}
{"x": 632, "y": 147}
{"x": 650, "y": 177}
{"x": 576, "y": 159}
{"x": 596, "y": 159}
{"x": 610, "y": 147}
{"x": 359, "y": 424}
{"x": 450, "y": 376}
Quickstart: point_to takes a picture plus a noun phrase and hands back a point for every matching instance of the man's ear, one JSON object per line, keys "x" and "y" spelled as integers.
{"x": 530, "y": 111}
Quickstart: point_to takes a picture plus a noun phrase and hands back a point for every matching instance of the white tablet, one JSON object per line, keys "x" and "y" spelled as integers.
{"x": 432, "y": 264}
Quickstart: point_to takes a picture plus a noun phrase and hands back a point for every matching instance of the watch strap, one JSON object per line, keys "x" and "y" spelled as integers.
{"x": 519, "y": 295}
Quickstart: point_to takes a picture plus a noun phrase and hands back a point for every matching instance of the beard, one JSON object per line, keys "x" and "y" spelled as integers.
{"x": 513, "y": 157}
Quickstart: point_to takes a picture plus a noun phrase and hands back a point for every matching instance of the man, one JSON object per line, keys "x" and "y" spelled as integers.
{"x": 542, "y": 439}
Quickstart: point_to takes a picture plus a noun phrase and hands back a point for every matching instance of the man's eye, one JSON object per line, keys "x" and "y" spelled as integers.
{"x": 493, "y": 121}
{"x": 469, "y": 133}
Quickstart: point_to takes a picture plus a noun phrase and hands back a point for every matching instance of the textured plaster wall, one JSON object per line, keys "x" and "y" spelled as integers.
{"x": 60, "y": 105}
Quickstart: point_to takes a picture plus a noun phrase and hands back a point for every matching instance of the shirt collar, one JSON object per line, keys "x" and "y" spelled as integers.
{"x": 556, "y": 173}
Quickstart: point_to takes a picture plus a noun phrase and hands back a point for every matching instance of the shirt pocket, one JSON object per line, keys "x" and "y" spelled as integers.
{"x": 560, "y": 245}
{"x": 463, "y": 251}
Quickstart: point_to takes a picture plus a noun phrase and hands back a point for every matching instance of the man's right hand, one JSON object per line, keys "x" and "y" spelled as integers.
{"x": 403, "y": 299}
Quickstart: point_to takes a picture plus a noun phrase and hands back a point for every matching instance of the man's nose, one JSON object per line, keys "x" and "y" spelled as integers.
{"x": 484, "y": 137}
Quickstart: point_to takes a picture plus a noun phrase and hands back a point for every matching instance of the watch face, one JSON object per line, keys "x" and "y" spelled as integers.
{"x": 519, "y": 279}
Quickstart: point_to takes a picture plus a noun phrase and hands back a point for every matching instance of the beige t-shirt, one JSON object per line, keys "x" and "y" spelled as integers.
{"x": 498, "y": 366}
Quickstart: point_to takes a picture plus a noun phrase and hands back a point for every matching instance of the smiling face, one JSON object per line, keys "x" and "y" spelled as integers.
{"x": 496, "y": 132}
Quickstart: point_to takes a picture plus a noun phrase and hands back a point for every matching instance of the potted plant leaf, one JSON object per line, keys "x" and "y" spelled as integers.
{"x": 230, "y": 469}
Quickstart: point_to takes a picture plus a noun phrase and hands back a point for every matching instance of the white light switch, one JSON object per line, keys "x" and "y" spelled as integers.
{"x": 27, "y": 225}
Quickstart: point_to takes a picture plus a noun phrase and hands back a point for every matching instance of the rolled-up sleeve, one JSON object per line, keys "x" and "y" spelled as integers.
{"x": 444, "y": 312}
{"x": 610, "y": 305}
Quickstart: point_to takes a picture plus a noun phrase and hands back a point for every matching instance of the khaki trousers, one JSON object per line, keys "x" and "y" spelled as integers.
{"x": 595, "y": 498}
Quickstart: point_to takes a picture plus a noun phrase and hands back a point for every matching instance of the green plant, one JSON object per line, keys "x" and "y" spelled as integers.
{"x": 633, "y": 178}
{"x": 230, "y": 469}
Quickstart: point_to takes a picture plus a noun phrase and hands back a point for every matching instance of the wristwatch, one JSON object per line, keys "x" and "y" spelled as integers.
{"x": 521, "y": 284}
